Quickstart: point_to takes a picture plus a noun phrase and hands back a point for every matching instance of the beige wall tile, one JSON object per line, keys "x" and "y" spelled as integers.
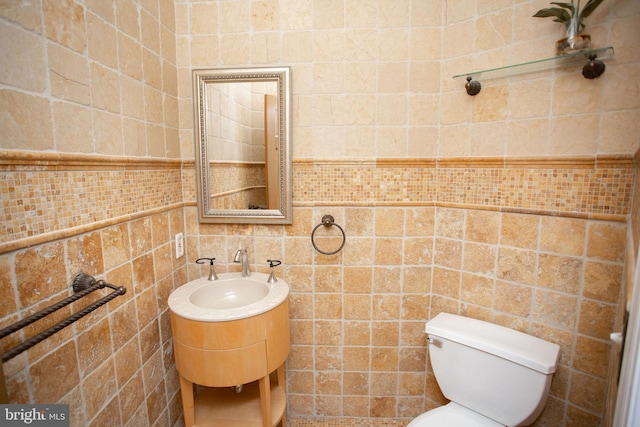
{"x": 571, "y": 135}
{"x": 69, "y": 74}
{"x": 477, "y": 290}
{"x": 33, "y": 270}
{"x": 27, "y": 15}
{"x": 101, "y": 41}
{"x": 99, "y": 387}
{"x": 418, "y": 251}
{"x": 454, "y": 37}
{"x": 328, "y": 306}
{"x": 129, "y": 56}
{"x": 513, "y": 298}
{"x": 21, "y": 130}
{"x": 150, "y": 32}
{"x": 127, "y": 18}
{"x": 105, "y": 84}
{"x": 151, "y": 68}
{"x": 204, "y": 50}
{"x": 587, "y": 392}
{"x": 448, "y": 253}
{"x": 84, "y": 254}
{"x": 519, "y": 230}
{"x": 415, "y": 307}
{"x": 602, "y": 281}
{"x": 386, "y": 307}
{"x": 528, "y": 137}
{"x": 416, "y": 279}
{"x": 516, "y": 265}
{"x": 389, "y": 222}
{"x": 358, "y": 279}
{"x": 65, "y": 23}
{"x": 596, "y": 319}
{"x": 482, "y": 226}
{"x": 234, "y": 49}
{"x": 388, "y": 251}
{"x": 555, "y": 309}
{"x": 386, "y": 280}
{"x": 559, "y": 273}
{"x": 445, "y": 283}
{"x": 479, "y": 258}
{"x": 562, "y": 235}
{"x": 108, "y": 130}
{"x": 6, "y": 290}
{"x": 569, "y": 97}
{"x": 63, "y": 361}
{"x": 606, "y": 242}
{"x": 494, "y": 30}
{"x": 450, "y": 223}
{"x": 385, "y": 334}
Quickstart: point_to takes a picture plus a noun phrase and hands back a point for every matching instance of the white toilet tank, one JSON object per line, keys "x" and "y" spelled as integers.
{"x": 498, "y": 372}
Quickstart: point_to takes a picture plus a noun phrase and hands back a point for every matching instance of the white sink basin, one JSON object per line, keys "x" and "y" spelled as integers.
{"x": 231, "y": 297}
{"x": 229, "y": 293}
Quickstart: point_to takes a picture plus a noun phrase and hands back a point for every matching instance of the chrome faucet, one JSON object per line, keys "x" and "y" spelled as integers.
{"x": 241, "y": 256}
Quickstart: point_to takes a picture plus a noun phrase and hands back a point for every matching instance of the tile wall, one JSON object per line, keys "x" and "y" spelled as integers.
{"x": 410, "y": 165}
{"x": 357, "y": 318}
{"x": 90, "y": 180}
{"x": 115, "y": 366}
{"x": 516, "y": 212}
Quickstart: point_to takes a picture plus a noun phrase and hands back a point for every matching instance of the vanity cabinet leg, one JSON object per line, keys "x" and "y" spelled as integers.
{"x": 282, "y": 383}
{"x": 186, "y": 390}
{"x": 265, "y": 400}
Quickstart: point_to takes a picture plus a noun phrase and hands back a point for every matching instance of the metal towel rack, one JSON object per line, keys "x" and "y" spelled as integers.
{"x": 83, "y": 285}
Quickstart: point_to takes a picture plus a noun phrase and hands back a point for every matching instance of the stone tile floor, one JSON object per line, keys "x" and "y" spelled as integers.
{"x": 343, "y": 422}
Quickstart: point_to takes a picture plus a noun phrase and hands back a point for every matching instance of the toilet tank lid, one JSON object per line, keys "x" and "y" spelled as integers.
{"x": 518, "y": 347}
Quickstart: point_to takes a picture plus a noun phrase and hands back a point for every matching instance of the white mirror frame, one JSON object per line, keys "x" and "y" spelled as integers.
{"x": 206, "y": 214}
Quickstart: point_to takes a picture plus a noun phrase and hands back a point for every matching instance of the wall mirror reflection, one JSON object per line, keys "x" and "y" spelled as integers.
{"x": 242, "y": 137}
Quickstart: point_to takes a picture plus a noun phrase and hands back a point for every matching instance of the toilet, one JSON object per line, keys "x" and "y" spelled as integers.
{"x": 492, "y": 375}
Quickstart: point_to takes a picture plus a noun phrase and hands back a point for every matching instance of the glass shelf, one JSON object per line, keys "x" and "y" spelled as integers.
{"x": 577, "y": 58}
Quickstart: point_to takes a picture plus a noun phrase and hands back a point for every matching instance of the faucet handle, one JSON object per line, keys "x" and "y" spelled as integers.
{"x": 273, "y": 263}
{"x": 212, "y": 271}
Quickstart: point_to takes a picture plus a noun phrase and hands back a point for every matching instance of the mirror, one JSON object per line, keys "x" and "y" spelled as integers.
{"x": 242, "y": 145}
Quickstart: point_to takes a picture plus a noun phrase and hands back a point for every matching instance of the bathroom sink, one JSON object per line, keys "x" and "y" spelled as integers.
{"x": 231, "y": 297}
{"x": 229, "y": 293}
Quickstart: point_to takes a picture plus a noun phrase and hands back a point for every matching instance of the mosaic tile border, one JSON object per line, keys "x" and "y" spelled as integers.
{"x": 52, "y": 195}
{"x": 46, "y": 196}
{"x": 595, "y": 188}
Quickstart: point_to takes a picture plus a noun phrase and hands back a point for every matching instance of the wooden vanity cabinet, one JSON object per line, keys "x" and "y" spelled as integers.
{"x": 217, "y": 356}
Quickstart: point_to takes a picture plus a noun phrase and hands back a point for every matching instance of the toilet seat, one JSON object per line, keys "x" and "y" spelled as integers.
{"x": 452, "y": 415}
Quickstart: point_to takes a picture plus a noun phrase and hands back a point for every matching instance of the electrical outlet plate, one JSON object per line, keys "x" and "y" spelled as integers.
{"x": 179, "y": 245}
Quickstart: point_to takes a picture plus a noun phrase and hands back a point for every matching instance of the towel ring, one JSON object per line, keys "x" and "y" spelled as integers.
{"x": 328, "y": 221}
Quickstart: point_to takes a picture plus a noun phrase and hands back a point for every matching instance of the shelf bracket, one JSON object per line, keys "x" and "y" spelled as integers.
{"x": 593, "y": 69}
{"x": 473, "y": 87}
